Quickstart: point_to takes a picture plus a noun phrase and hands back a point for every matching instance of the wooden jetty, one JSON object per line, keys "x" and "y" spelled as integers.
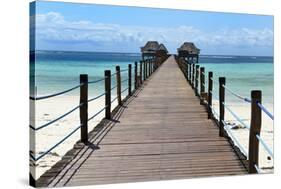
{"x": 160, "y": 132}
{"x": 165, "y": 128}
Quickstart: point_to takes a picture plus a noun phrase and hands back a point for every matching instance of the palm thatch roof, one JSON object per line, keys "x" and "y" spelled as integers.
{"x": 189, "y": 47}
{"x": 150, "y": 47}
{"x": 162, "y": 47}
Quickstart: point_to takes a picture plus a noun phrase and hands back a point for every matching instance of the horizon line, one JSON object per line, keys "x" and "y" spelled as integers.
{"x": 140, "y": 53}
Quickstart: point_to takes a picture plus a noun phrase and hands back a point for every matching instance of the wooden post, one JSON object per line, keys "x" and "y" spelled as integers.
{"x": 144, "y": 70}
{"x": 187, "y": 69}
{"x": 84, "y": 107}
{"x": 196, "y": 80}
{"x": 118, "y": 83}
{"x": 150, "y": 67}
{"x": 148, "y": 64}
{"x": 254, "y": 131}
{"x": 130, "y": 79}
{"x": 189, "y": 72}
{"x": 141, "y": 74}
{"x": 193, "y": 74}
{"x": 202, "y": 83}
{"x": 107, "y": 84}
{"x": 210, "y": 90}
{"x": 222, "y": 100}
{"x": 136, "y": 75}
{"x": 182, "y": 66}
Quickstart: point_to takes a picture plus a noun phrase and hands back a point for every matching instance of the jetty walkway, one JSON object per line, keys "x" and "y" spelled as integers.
{"x": 160, "y": 132}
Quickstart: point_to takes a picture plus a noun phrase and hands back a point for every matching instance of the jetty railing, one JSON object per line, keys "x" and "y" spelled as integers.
{"x": 191, "y": 73}
{"x": 142, "y": 71}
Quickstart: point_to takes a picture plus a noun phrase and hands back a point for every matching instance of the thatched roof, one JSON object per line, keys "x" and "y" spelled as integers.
{"x": 150, "y": 47}
{"x": 189, "y": 47}
{"x": 162, "y": 47}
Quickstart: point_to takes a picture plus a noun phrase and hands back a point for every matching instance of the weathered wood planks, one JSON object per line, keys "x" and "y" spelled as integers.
{"x": 160, "y": 132}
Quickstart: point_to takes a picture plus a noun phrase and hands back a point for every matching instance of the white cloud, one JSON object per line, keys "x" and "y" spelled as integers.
{"x": 54, "y": 27}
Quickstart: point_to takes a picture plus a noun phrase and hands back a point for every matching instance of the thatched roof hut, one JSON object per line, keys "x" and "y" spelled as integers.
{"x": 149, "y": 49}
{"x": 188, "y": 48}
{"x": 162, "y": 48}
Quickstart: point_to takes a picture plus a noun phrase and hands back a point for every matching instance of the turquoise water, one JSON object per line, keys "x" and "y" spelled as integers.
{"x": 56, "y": 71}
{"x": 244, "y": 77}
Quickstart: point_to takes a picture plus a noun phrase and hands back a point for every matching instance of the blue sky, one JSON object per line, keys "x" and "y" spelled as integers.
{"x": 89, "y": 27}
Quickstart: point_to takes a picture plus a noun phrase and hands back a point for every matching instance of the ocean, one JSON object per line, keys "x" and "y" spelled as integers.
{"x": 57, "y": 71}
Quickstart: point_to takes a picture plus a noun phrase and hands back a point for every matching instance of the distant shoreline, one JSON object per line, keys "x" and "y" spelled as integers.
{"x": 137, "y": 53}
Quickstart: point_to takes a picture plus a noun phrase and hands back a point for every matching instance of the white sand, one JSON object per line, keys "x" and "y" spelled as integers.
{"x": 242, "y": 134}
{"x": 47, "y": 110}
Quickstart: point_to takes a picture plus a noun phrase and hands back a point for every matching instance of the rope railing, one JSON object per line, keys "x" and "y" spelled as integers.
{"x": 65, "y": 91}
{"x": 249, "y": 101}
{"x": 265, "y": 111}
{"x": 84, "y": 99}
{"x": 265, "y": 145}
{"x": 92, "y": 117}
{"x": 252, "y": 153}
{"x": 113, "y": 87}
{"x": 124, "y": 90}
{"x": 97, "y": 97}
{"x": 96, "y": 81}
{"x": 214, "y": 80}
{"x": 113, "y": 100}
{"x": 260, "y": 140}
{"x": 55, "y": 120}
{"x": 113, "y": 74}
{"x": 124, "y": 80}
{"x": 124, "y": 70}
{"x": 56, "y": 94}
{"x": 236, "y": 116}
{"x": 54, "y": 146}
{"x": 237, "y": 95}
{"x": 257, "y": 168}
